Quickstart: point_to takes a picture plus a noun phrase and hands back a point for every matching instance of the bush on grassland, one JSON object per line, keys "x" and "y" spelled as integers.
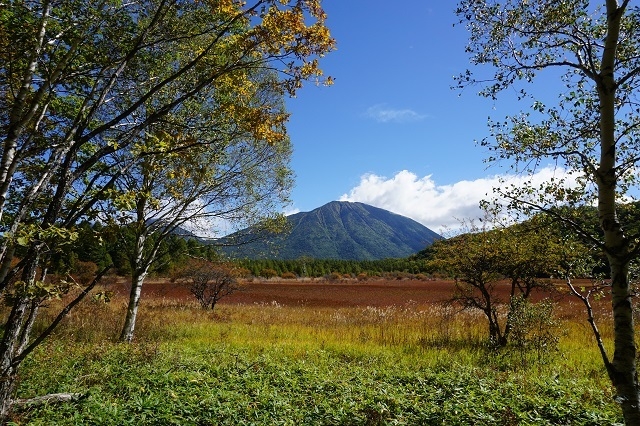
{"x": 288, "y": 276}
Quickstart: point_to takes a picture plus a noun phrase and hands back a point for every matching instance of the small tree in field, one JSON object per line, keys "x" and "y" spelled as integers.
{"x": 482, "y": 260}
{"x": 208, "y": 281}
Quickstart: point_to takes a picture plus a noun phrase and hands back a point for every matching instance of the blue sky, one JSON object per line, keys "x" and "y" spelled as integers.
{"x": 391, "y": 132}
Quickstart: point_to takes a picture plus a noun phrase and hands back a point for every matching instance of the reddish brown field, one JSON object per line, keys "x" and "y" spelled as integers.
{"x": 330, "y": 294}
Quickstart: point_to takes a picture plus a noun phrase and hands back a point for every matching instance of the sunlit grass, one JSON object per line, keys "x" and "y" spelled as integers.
{"x": 274, "y": 364}
{"x": 409, "y": 329}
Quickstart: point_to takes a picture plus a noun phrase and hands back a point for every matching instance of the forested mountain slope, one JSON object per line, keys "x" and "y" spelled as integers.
{"x": 343, "y": 230}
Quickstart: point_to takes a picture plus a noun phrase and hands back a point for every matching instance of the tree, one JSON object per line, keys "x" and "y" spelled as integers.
{"x": 243, "y": 189}
{"x": 208, "y": 281}
{"x": 592, "y": 132}
{"x": 83, "y": 82}
{"x": 481, "y": 259}
{"x": 239, "y": 176}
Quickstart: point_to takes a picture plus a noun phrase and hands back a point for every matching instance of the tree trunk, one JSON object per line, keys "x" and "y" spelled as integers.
{"x": 512, "y": 302}
{"x": 140, "y": 268}
{"x": 623, "y": 372}
{"x": 495, "y": 335}
{"x": 137, "y": 280}
{"x": 623, "y": 367}
{"x": 8, "y": 369}
{"x": 23, "y": 111}
{"x": 15, "y": 338}
{"x": 7, "y": 387}
{"x": 16, "y": 332}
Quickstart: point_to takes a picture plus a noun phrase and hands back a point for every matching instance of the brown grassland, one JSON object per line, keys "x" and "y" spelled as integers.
{"x": 315, "y": 352}
{"x": 340, "y": 293}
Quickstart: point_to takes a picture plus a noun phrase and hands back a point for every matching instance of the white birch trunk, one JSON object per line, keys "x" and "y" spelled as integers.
{"x": 623, "y": 372}
{"x": 140, "y": 270}
{"x": 137, "y": 280}
{"x": 17, "y": 329}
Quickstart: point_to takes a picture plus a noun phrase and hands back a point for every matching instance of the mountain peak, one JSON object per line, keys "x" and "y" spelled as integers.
{"x": 343, "y": 230}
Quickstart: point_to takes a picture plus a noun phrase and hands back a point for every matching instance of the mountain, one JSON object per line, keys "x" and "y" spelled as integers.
{"x": 342, "y": 230}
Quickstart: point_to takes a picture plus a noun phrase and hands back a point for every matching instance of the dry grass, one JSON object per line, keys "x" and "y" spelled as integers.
{"x": 413, "y": 327}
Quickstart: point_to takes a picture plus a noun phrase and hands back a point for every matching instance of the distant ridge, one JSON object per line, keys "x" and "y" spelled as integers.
{"x": 342, "y": 230}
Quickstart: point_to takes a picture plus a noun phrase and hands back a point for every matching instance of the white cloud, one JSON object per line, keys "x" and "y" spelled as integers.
{"x": 438, "y": 207}
{"x": 383, "y": 114}
{"x": 216, "y": 227}
{"x": 210, "y": 227}
{"x": 291, "y": 210}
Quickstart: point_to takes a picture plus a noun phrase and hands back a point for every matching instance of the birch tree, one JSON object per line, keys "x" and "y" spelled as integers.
{"x": 590, "y": 131}
{"x": 82, "y": 81}
{"x": 240, "y": 178}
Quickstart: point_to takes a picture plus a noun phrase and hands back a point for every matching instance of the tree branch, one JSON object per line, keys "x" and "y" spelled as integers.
{"x": 18, "y": 359}
{"x": 594, "y": 326}
{"x": 49, "y": 399}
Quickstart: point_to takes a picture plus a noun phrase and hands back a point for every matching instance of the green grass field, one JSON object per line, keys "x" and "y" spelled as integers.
{"x": 275, "y": 365}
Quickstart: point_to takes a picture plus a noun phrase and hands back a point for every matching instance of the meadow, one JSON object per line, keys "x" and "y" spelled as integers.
{"x": 270, "y": 363}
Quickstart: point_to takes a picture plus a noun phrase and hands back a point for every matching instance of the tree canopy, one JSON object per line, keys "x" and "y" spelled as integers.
{"x": 95, "y": 91}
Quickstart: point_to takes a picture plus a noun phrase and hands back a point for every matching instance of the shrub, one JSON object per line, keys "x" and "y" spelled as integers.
{"x": 208, "y": 282}
{"x": 534, "y": 328}
{"x": 84, "y": 272}
{"x": 268, "y": 273}
{"x": 288, "y": 276}
{"x": 334, "y": 276}
{"x": 242, "y": 273}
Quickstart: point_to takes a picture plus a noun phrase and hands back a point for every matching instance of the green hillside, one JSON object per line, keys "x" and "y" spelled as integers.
{"x": 343, "y": 230}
